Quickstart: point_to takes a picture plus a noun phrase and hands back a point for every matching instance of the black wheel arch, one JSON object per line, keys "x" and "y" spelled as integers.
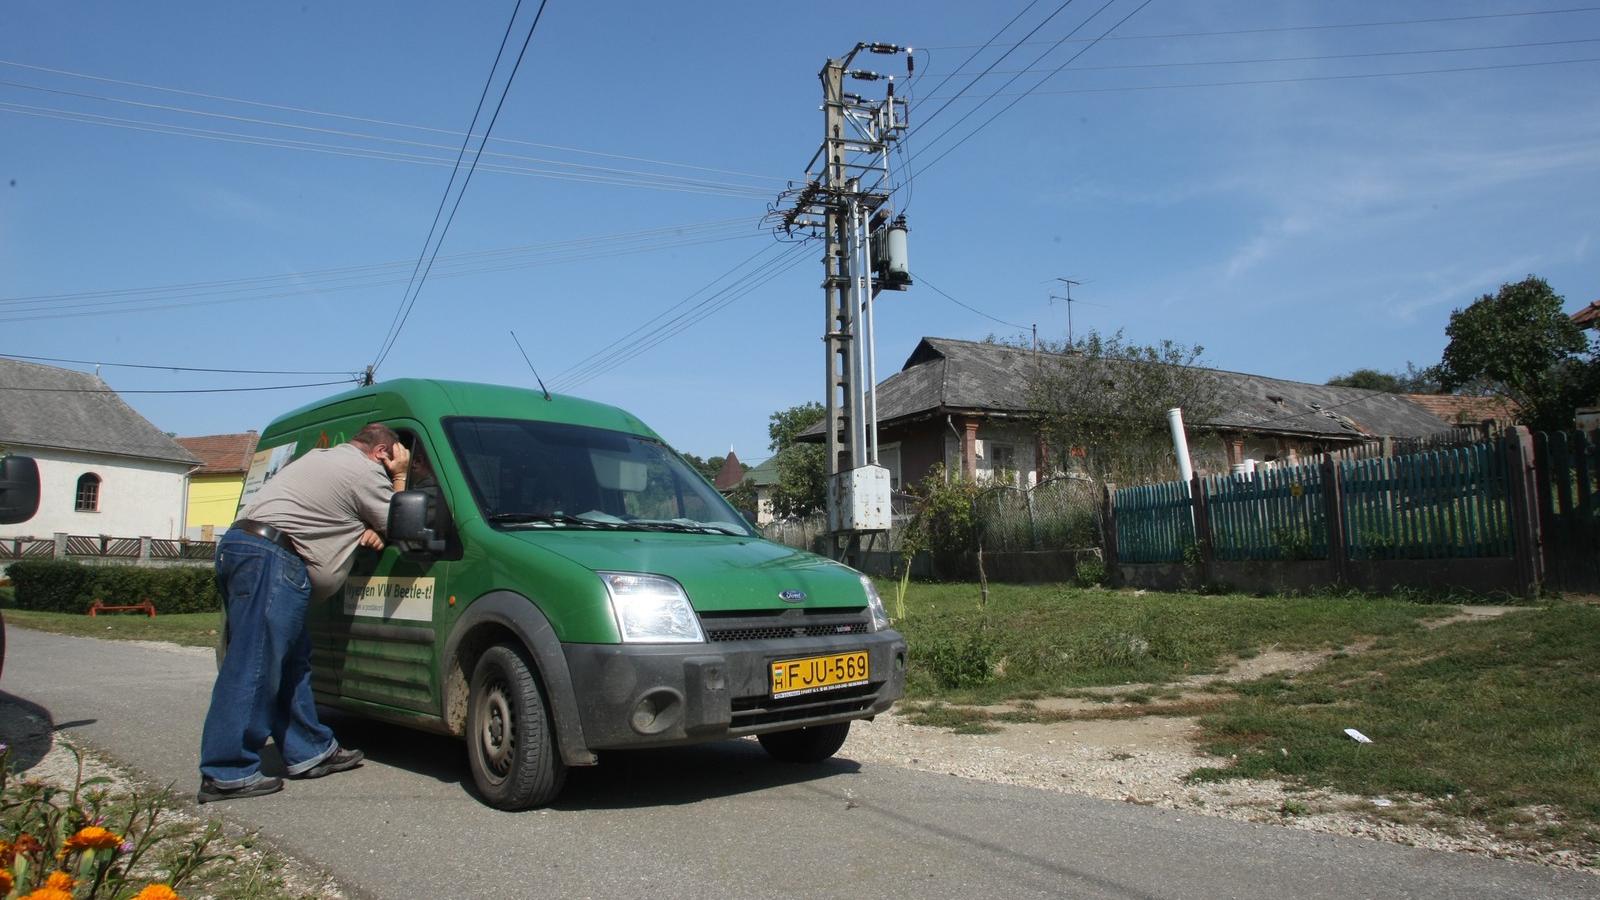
{"x": 495, "y": 618}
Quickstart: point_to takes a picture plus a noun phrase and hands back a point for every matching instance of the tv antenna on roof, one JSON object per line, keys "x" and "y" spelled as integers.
{"x": 1068, "y": 298}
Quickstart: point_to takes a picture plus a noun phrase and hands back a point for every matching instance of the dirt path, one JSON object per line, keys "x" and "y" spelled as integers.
{"x": 1144, "y": 758}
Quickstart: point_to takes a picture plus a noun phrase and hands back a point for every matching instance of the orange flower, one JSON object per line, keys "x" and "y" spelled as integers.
{"x": 27, "y": 843}
{"x": 47, "y": 893}
{"x": 157, "y": 892}
{"x": 7, "y": 881}
{"x": 61, "y": 881}
{"x": 91, "y": 838}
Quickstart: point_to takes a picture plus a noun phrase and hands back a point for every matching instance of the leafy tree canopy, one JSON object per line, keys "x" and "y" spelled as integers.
{"x": 1104, "y": 399}
{"x": 802, "y": 488}
{"x": 1412, "y": 381}
{"x": 1518, "y": 344}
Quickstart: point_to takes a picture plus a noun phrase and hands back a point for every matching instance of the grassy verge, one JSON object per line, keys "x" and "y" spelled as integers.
{"x": 1032, "y": 641}
{"x": 1494, "y": 721}
{"x": 189, "y": 629}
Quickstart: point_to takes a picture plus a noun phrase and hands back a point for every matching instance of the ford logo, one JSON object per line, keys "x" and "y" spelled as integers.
{"x": 792, "y": 596}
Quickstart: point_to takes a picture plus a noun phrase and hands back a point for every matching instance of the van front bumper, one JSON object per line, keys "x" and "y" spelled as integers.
{"x": 646, "y": 695}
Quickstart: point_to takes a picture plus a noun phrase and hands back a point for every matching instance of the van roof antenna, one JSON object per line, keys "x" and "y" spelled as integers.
{"x": 531, "y": 368}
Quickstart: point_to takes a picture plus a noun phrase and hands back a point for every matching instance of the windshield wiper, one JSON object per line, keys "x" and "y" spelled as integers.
{"x": 682, "y": 525}
{"x": 532, "y": 518}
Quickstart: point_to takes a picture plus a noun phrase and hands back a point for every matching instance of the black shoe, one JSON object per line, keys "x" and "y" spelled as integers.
{"x": 209, "y": 792}
{"x": 339, "y": 760}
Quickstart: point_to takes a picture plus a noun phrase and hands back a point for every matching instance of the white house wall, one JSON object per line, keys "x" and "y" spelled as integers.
{"x": 138, "y": 497}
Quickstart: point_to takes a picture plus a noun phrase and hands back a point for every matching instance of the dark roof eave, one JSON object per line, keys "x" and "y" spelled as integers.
{"x": 192, "y": 462}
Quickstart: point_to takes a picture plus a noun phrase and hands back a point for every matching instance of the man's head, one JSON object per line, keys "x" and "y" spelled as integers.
{"x": 377, "y": 442}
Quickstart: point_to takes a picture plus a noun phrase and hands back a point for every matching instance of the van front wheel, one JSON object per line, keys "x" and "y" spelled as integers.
{"x": 510, "y": 745}
{"x": 805, "y": 745}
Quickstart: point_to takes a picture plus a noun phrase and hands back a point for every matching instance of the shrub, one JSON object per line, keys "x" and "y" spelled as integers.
{"x": 69, "y": 587}
{"x": 1089, "y": 572}
{"x": 962, "y": 659}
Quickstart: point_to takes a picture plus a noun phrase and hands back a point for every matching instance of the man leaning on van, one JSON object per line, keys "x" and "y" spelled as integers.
{"x": 294, "y": 543}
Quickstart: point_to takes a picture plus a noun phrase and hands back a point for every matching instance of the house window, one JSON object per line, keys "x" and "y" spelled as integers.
{"x": 1003, "y": 462}
{"x": 889, "y": 458}
{"x": 88, "y": 497}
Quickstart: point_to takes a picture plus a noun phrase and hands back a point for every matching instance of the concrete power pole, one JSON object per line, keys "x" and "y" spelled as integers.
{"x": 845, "y": 199}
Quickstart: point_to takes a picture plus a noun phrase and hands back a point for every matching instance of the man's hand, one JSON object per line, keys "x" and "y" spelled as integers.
{"x": 399, "y": 459}
{"x": 371, "y": 540}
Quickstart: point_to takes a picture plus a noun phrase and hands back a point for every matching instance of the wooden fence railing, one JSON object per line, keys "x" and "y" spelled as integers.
{"x": 1474, "y": 503}
{"x": 124, "y": 549}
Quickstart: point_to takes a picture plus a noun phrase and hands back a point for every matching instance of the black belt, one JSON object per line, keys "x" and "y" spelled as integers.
{"x": 263, "y": 530}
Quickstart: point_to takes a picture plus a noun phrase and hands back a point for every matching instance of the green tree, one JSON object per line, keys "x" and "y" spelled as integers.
{"x": 1518, "y": 344}
{"x": 1103, "y": 403}
{"x": 1412, "y": 381}
{"x": 802, "y": 487}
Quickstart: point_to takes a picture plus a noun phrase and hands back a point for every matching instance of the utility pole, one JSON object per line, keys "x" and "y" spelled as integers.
{"x": 844, "y": 200}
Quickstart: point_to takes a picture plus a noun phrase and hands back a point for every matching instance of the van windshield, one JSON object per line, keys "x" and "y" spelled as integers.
{"x": 528, "y": 474}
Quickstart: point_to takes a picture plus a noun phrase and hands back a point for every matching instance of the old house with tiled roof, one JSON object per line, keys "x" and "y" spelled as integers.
{"x": 103, "y": 468}
{"x": 214, "y": 488}
{"x": 963, "y": 404}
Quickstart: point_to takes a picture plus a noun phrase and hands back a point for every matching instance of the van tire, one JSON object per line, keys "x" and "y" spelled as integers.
{"x": 510, "y": 746}
{"x": 805, "y": 745}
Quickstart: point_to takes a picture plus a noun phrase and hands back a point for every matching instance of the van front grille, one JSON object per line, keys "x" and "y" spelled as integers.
{"x": 772, "y": 632}
{"x": 752, "y": 712}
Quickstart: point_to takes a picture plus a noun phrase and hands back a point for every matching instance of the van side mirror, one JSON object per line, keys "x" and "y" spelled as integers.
{"x": 19, "y": 489}
{"x": 408, "y": 523}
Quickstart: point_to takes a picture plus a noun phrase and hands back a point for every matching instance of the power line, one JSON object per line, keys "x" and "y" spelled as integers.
{"x": 1326, "y": 27}
{"x": 373, "y": 121}
{"x": 251, "y": 120}
{"x": 233, "y": 137}
{"x": 270, "y": 387}
{"x": 384, "y": 352}
{"x": 667, "y": 328}
{"x": 1308, "y": 78}
{"x": 128, "y": 305}
{"x": 346, "y": 271}
{"x": 974, "y": 55}
{"x": 919, "y": 278}
{"x": 1070, "y": 60}
{"x": 1320, "y": 58}
{"x": 87, "y": 362}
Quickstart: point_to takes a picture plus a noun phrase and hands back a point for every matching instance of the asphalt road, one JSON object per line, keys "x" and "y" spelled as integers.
{"x": 718, "y": 820}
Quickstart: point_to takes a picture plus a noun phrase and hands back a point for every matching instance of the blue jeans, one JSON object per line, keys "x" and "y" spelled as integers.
{"x": 263, "y": 688}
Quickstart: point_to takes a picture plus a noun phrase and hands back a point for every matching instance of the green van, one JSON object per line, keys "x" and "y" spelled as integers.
{"x": 559, "y": 582}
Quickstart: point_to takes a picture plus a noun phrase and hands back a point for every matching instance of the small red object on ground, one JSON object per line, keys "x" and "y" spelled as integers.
{"x": 144, "y": 606}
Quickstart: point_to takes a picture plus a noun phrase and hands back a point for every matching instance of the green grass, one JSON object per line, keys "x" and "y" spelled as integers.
{"x": 189, "y": 629}
{"x": 1035, "y": 641}
{"x": 1485, "y": 719}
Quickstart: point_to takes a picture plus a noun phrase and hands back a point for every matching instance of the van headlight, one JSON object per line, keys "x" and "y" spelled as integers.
{"x": 880, "y": 616}
{"x": 651, "y": 609}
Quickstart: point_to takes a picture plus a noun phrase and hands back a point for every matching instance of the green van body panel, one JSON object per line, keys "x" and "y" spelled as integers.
{"x": 545, "y": 594}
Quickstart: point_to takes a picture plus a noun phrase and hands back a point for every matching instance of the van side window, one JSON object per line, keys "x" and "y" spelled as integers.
{"x": 420, "y": 476}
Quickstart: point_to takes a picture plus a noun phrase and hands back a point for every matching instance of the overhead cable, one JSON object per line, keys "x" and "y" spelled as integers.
{"x": 233, "y": 390}
{"x": 394, "y": 336}
{"x": 373, "y": 121}
{"x": 88, "y": 362}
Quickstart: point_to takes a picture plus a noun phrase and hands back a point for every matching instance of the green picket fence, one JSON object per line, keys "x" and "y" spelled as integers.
{"x": 1436, "y": 505}
{"x": 1569, "y": 507}
{"x": 1276, "y": 513}
{"x": 1439, "y": 504}
{"x": 1155, "y": 522}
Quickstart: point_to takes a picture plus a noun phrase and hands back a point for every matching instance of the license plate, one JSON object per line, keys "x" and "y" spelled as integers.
{"x": 793, "y": 677}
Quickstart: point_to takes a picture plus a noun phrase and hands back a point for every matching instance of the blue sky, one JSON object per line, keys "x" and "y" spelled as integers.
{"x": 1299, "y": 228}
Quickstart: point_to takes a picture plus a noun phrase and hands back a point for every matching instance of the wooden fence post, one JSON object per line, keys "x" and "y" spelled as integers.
{"x": 1108, "y": 525}
{"x": 1202, "y": 528}
{"x": 1523, "y": 505}
{"x": 1333, "y": 515}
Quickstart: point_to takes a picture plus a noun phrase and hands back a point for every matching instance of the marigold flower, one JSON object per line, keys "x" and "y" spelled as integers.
{"x": 27, "y": 843}
{"x": 7, "y": 882}
{"x": 92, "y": 837}
{"x": 61, "y": 881}
{"x": 47, "y": 893}
{"x": 157, "y": 892}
